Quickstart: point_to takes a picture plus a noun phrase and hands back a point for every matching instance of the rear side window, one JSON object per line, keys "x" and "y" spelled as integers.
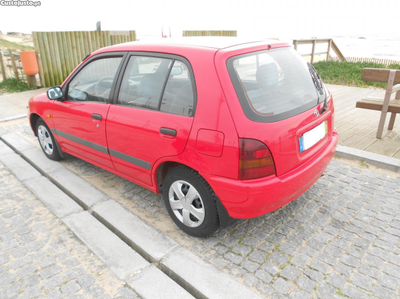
{"x": 162, "y": 84}
{"x": 272, "y": 85}
{"x": 143, "y": 82}
{"x": 178, "y": 96}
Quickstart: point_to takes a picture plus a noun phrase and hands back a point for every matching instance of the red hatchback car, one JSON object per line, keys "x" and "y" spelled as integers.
{"x": 222, "y": 128}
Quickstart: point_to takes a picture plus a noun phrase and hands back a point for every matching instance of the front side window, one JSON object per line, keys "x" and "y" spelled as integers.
{"x": 273, "y": 85}
{"x": 94, "y": 81}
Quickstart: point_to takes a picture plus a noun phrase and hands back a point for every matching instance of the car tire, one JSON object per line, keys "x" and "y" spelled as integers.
{"x": 47, "y": 141}
{"x": 190, "y": 202}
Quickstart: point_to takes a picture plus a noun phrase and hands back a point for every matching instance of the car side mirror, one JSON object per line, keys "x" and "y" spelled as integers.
{"x": 55, "y": 93}
{"x": 176, "y": 70}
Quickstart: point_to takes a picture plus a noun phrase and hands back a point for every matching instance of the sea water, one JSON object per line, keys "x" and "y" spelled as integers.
{"x": 385, "y": 47}
{"x": 380, "y": 47}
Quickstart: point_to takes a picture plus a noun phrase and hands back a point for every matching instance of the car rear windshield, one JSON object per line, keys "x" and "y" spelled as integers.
{"x": 273, "y": 85}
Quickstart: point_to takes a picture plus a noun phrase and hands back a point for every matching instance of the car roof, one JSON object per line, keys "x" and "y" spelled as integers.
{"x": 216, "y": 42}
{"x": 182, "y": 43}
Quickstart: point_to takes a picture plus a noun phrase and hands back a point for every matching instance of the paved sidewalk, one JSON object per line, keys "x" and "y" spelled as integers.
{"x": 14, "y": 105}
{"x": 40, "y": 256}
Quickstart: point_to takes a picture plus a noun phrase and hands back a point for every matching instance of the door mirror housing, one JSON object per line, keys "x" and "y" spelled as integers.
{"x": 55, "y": 93}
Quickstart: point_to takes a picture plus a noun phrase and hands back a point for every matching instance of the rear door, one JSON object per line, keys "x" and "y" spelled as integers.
{"x": 79, "y": 120}
{"x": 153, "y": 113}
{"x": 282, "y": 105}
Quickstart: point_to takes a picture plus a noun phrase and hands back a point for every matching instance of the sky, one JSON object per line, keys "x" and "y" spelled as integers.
{"x": 288, "y": 19}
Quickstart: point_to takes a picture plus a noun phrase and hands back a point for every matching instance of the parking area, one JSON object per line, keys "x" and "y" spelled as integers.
{"x": 340, "y": 238}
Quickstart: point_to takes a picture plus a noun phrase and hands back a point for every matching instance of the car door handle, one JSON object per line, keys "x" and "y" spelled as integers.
{"x": 167, "y": 131}
{"x": 97, "y": 116}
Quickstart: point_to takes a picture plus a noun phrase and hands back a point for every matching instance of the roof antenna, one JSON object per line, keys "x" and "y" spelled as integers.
{"x": 269, "y": 47}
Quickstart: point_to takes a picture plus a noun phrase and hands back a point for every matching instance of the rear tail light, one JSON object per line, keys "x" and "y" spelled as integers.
{"x": 255, "y": 160}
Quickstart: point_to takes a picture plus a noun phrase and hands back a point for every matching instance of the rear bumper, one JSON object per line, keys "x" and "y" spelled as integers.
{"x": 252, "y": 198}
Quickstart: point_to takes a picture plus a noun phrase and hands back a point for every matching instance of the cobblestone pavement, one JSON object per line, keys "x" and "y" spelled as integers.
{"x": 41, "y": 257}
{"x": 339, "y": 239}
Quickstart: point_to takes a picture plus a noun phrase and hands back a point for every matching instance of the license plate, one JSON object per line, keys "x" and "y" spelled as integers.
{"x": 312, "y": 137}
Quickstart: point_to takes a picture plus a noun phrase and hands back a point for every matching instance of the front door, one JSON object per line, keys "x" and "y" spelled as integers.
{"x": 79, "y": 120}
{"x": 153, "y": 114}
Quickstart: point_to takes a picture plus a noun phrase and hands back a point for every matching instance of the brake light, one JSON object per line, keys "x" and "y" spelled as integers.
{"x": 255, "y": 160}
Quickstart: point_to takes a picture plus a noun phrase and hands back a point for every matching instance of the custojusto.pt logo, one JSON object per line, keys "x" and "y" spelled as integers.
{"x": 19, "y": 3}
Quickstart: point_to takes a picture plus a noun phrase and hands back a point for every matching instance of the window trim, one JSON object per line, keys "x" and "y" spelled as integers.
{"x": 246, "y": 104}
{"x": 156, "y": 55}
{"x": 165, "y": 85}
{"x": 87, "y": 62}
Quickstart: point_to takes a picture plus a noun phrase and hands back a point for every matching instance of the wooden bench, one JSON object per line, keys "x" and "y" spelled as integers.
{"x": 385, "y": 105}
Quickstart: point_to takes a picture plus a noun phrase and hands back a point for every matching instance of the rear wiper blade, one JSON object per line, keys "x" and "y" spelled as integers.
{"x": 319, "y": 85}
{"x": 325, "y": 107}
{"x": 314, "y": 77}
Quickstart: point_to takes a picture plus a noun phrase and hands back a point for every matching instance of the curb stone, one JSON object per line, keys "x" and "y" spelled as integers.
{"x": 79, "y": 188}
{"x": 21, "y": 169}
{"x": 150, "y": 242}
{"x": 115, "y": 253}
{"x": 13, "y": 139}
{"x": 203, "y": 279}
{"x": 143, "y": 284}
{"x": 380, "y": 161}
{"x": 13, "y": 118}
{"x": 57, "y": 201}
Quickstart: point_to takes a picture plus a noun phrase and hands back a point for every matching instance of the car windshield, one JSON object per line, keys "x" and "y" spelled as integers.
{"x": 274, "y": 84}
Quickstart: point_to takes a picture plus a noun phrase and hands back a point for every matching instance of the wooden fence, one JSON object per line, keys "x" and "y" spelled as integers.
{"x": 209, "y": 33}
{"x": 10, "y": 65}
{"x": 386, "y": 62}
{"x": 60, "y": 52}
{"x": 330, "y": 45}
